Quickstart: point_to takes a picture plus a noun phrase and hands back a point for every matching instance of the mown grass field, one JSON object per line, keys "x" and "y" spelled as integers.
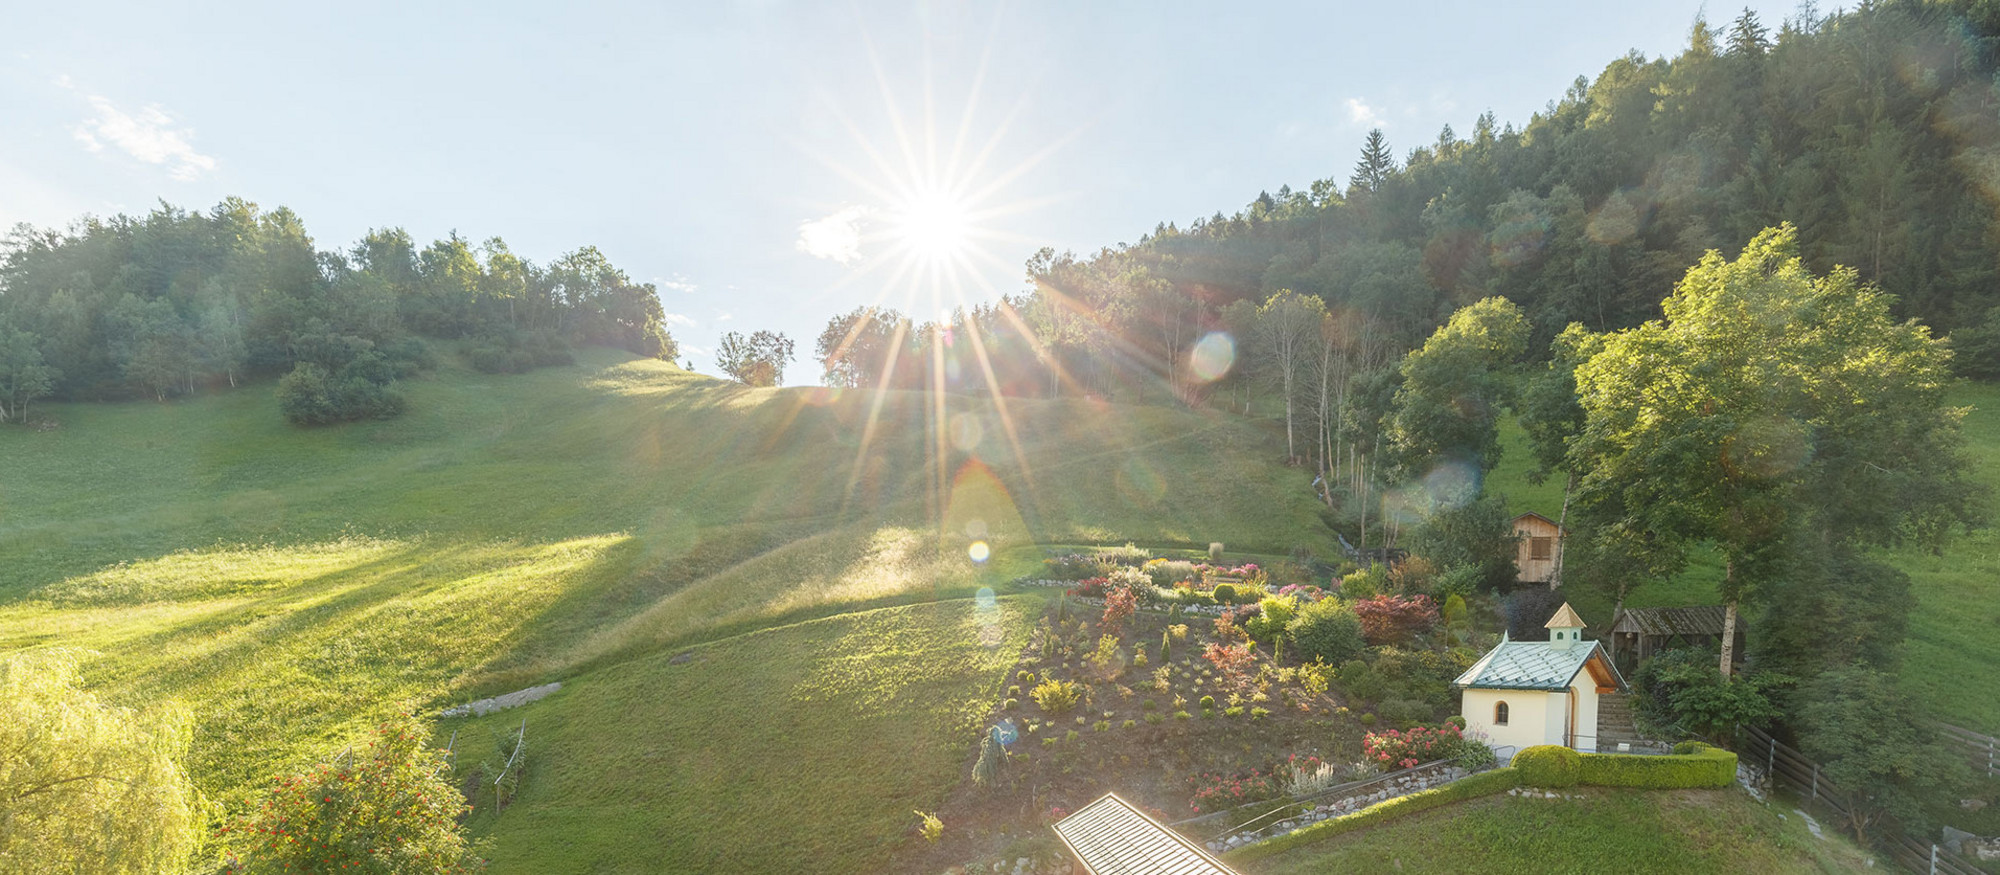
{"x": 291, "y": 586}
{"x": 1680, "y": 832}
{"x": 1952, "y": 658}
{"x": 802, "y": 748}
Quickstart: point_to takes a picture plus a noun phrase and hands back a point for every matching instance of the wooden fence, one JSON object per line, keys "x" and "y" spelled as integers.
{"x": 1982, "y": 752}
{"x": 1792, "y": 770}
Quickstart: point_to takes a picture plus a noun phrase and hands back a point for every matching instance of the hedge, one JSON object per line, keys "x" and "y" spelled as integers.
{"x": 1692, "y": 765}
{"x": 1705, "y": 767}
{"x": 1483, "y": 784}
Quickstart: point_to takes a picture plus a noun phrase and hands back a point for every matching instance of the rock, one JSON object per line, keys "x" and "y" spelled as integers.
{"x": 1987, "y": 850}
{"x": 1972, "y": 804}
{"x": 1812, "y": 826}
{"x": 680, "y": 657}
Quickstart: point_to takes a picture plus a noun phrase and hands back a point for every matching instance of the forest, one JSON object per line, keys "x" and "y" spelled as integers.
{"x": 175, "y": 301}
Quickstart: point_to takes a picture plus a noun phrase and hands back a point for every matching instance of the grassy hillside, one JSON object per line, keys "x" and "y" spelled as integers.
{"x": 291, "y": 585}
{"x": 1955, "y": 627}
{"x": 1677, "y": 832}
{"x": 797, "y": 749}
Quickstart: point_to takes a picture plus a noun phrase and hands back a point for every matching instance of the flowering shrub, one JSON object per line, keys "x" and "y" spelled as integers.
{"x": 1091, "y": 587}
{"x": 1213, "y": 792}
{"x": 386, "y": 809}
{"x": 1302, "y": 593}
{"x": 1391, "y": 619}
{"x": 1056, "y": 696}
{"x": 1404, "y": 750}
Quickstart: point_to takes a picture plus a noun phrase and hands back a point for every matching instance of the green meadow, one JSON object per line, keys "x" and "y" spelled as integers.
{"x": 290, "y": 586}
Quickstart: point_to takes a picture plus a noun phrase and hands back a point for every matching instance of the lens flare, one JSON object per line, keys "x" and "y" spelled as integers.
{"x": 980, "y": 553}
{"x": 1213, "y": 356}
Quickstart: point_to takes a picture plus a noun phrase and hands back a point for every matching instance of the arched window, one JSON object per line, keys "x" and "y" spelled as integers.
{"x": 1500, "y": 714}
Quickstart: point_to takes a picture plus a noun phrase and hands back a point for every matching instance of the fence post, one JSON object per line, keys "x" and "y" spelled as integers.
{"x": 1933, "y": 859}
{"x": 1815, "y": 782}
{"x": 1771, "y": 758}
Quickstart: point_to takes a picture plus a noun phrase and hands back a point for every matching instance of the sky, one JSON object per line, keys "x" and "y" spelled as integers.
{"x": 767, "y": 165}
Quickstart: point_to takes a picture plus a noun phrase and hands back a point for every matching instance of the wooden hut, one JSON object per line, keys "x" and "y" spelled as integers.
{"x": 1538, "y": 551}
{"x": 1638, "y": 633}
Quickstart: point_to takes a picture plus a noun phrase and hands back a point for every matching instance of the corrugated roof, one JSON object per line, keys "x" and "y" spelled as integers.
{"x": 1111, "y": 837}
{"x": 1527, "y": 665}
{"x": 1702, "y": 620}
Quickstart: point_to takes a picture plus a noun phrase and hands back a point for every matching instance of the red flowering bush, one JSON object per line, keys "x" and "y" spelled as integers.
{"x": 1402, "y": 750}
{"x": 385, "y": 810}
{"x": 1093, "y": 587}
{"x": 1213, "y": 792}
{"x": 1393, "y": 619}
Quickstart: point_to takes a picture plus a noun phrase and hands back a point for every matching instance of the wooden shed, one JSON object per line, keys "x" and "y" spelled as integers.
{"x": 1538, "y": 553}
{"x": 1638, "y": 633}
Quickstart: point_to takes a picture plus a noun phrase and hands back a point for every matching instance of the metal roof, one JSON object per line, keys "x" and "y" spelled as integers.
{"x": 1528, "y": 665}
{"x": 1703, "y": 620}
{"x": 1110, "y": 837}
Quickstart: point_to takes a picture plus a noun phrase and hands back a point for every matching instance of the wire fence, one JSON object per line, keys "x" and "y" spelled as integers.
{"x": 1792, "y": 770}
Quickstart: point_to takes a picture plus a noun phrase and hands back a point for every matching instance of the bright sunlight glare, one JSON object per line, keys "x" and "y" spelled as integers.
{"x": 933, "y": 226}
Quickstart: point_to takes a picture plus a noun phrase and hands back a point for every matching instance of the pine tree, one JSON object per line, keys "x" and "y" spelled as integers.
{"x": 1375, "y": 165}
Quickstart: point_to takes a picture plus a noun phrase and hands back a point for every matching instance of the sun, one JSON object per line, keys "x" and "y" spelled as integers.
{"x": 933, "y": 226}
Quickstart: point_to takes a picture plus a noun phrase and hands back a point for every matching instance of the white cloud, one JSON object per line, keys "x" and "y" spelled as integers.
{"x": 149, "y": 136}
{"x": 1363, "y": 114}
{"x": 836, "y": 237}
{"x": 678, "y": 319}
{"x": 723, "y": 317}
{"x": 678, "y": 284}
{"x": 696, "y": 351}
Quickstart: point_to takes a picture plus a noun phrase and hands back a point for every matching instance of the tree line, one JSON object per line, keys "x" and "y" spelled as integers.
{"x": 165, "y": 304}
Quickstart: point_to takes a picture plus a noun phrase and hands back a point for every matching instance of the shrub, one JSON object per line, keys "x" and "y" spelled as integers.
{"x": 1214, "y": 792}
{"x": 1101, "y": 725}
{"x": 1459, "y": 581}
{"x": 1014, "y": 691}
{"x": 1208, "y": 703}
{"x": 1183, "y": 715}
{"x": 1025, "y": 676}
{"x": 1072, "y": 566}
{"x": 1167, "y": 572}
{"x": 1233, "y": 711}
{"x": 1215, "y": 552}
{"x": 1368, "y": 719}
{"x": 1148, "y": 705}
{"x": 1455, "y": 613}
{"x": 1009, "y": 704}
{"x": 1232, "y": 663}
{"x": 1364, "y": 584}
{"x": 1259, "y": 713}
{"x": 1057, "y": 697}
{"x": 1071, "y": 735}
{"x": 1549, "y": 765}
{"x": 1274, "y": 613}
{"x": 1153, "y": 718}
{"x": 1702, "y": 766}
{"x": 1130, "y": 555}
{"x": 389, "y": 806}
{"x": 1401, "y": 750}
{"x": 1120, "y": 603}
{"x": 1415, "y": 575}
{"x": 1391, "y": 619}
{"x": 1683, "y": 692}
{"x": 312, "y": 395}
{"x": 1405, "y": 712}
{"x": 1474, "y": 755}
{"x": 1223, "y": 593}
{"x": 1128, "y": 724}
{"x": 929, "y": 826}
{"x": 1325, "y": 631}
{"x": 1457, "y": 721}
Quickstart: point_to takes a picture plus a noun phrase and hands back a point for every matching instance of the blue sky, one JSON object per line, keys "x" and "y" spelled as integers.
{"x": 756, "y": 160}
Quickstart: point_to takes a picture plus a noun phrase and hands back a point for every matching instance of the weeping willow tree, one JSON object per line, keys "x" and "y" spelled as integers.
{"x": 85, "y": 786}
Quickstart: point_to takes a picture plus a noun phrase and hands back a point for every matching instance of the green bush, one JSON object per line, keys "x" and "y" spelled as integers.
{"x": 1233, "y": 711}
{"x": 310, "y": 395}
{"x": 1404, "y": 713}
{"x": 1688, "y": 747}
{"x": 1129, "y": 724}
{"x": 1368, "y": 719}
{"x": 1274, "y": 613}
{"x": 1014, "y": 692}
{"x": 1009, "y": 704}
{"x": 1703, "y": 766}
{"x": 1326, "y": 631}
{"x": 1056, "y": 696}
{"x": 1183, "y": 715}
{"x": 1167, "y": 572}
{"x": 1364, "y": 584}
{"x": 1215, "y": 552}
{"x": 1208, "y": 703}
{"x": 1154, "y": 718}
{"x": 1223, "y": 593}
{"x": 1483, "y": 784}
{"x": 1101, "y": 725}
{"x": 1549, "y": 765}
{"x": 1025, "y": 676}
{"x": 1259, "y": 713}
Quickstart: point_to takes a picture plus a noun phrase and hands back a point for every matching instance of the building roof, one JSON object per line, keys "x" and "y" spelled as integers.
{"x": 1110, "y": 837}
{"x": 1531, "y": 513}
{"x": 1531, "y": 665}
{"x": 1565, "y": 618}
{"x": 1701, "y": 620}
